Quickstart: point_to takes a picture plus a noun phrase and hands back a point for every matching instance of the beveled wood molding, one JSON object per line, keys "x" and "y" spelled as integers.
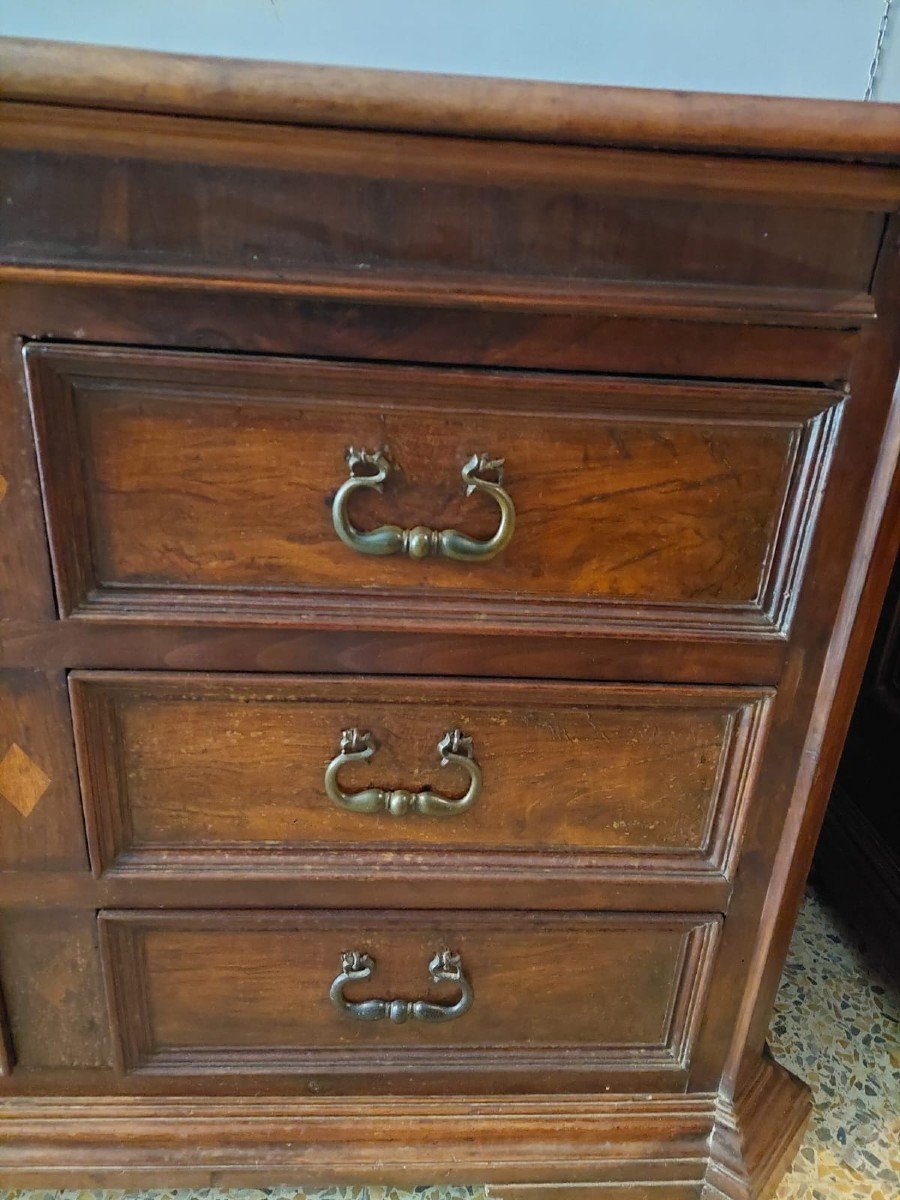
{"x": 662, "y": 1065}
{"x": 96, "y": 701}
{"x": 140, "y": 80}
{"x": 756, "y": 1136}
{"x": 790, "y": 308}
{"x": 332, "y": 887}
{"x": 59, "y": 374}
{"x": 691, "y": 1147}
{"x": 655, "y": 1141}
{"x": 250, "y": 315}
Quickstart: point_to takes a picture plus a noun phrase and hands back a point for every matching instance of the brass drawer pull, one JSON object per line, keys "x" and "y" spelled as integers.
{"x": 370, "y": 470}
{"x": 454, "y": 748}
{"x": 443, "y": 968}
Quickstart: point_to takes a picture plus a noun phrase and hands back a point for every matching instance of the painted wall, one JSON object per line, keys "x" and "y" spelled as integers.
{"x": 777, "y": 47}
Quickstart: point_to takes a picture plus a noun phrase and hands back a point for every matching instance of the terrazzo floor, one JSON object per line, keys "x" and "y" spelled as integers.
{"x": 836, "y": 1024}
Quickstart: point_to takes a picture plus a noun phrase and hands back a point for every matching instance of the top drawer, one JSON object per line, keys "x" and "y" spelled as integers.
{"x": 440, "y": 219}
{"x": 200, "y": 485}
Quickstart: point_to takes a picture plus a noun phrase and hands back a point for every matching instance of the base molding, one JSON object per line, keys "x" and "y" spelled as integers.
{"x": 523, "y": 1148}
{"x": 756, "y": 1136}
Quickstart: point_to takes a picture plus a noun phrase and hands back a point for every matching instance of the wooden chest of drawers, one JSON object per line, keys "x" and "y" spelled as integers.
{"x": 441, "y": 537}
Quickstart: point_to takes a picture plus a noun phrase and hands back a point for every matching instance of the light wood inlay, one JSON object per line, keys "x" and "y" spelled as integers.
{"x": 22, "y": 782}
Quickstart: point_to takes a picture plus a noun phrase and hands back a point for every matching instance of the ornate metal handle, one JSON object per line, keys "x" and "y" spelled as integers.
{"x": 443, "y": 968}
{"x": 454, "y": 748}
{"x": 370, "y": 470}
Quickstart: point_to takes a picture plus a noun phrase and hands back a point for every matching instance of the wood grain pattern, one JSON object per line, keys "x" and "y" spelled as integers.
{"x": 337, "y": 221}
{"x": 195, "y": 484}
{"x": 757, "y": 1135}
{"x": 657, "y": 1141}
{"x": 225, "y": 773}
{"x": 309, "y": 204}
{"x": 41, "y": 825}
{"x": 53, "y": 990}
{"x": 847, "y": 575}
{"x": 691, "y": 332}
{"x": 22, "y": 781}
{"x": 139, "y": 80}
{"x": 228, "y": 991}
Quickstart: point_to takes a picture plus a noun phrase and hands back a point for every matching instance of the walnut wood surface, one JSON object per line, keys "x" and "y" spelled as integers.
{"x": 197, "y": 484}
{"x": 206, "y": 992}
{"x": 752, "y": 304}
{"x": 657, "y": 1141}
{"x": 41, "y": 828}
{"x": 535, "y": 1147}
{"x": 53, "y": 991}
{"x": 140, "y": 80}
{"x": 198, "y": 773}
{"x": 497, "y": 217}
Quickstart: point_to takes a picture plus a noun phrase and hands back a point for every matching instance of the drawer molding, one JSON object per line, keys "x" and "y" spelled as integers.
{"x": 794, "y": 427}
{"x": 134, "y": 1014}
{"x": 378, "y": 843}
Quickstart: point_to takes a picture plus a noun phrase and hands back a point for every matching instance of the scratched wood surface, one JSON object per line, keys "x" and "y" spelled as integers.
{"x": 207, "y": 765}
{"x": 228, "y": 985}
{"x": 184, "y": 473}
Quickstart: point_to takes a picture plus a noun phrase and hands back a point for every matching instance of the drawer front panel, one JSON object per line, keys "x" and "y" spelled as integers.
{"x": 196, "y": 486}
{"x": 412, "y": 213}
{"x": 245, "y": 774}
{"x": 261, "y": 992}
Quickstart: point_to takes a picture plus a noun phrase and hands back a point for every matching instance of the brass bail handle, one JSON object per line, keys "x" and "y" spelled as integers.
{"x": 445, "y": 967}
{"x": 454, "y": 749}
{"x": 370, "y": 469}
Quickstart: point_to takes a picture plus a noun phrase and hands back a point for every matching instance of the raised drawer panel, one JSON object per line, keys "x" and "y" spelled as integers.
{"x": 213, "y": 992}
{"x": 197, "y": 486}
{"x": 228, "y": 773}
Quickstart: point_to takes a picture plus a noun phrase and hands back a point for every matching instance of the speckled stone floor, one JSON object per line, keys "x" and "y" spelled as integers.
{"x": 836, "y": 1024}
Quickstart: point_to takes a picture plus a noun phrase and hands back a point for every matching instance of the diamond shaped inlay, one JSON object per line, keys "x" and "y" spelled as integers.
{"x": 22, "y": 782}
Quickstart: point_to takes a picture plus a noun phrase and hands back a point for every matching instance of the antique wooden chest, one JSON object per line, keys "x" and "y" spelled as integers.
{"x": 442, "y": 526}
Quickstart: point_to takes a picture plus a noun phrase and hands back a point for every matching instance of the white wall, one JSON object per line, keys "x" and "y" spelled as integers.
{"x": 776, "y": 47}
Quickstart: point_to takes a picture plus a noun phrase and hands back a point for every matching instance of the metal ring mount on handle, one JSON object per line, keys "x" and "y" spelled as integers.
{"x": 445, "y": 967}
{"x": 371, "y": 469}
{"x": 454, "y": 749}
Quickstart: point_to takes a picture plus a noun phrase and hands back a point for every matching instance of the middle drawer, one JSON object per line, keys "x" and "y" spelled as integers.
{"x": 252, "y": 774}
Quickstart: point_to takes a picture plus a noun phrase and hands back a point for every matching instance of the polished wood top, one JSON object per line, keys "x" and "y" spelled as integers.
{"x": 363, "y": 98}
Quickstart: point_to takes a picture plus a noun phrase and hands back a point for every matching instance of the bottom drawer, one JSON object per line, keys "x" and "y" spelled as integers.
{"x": 512, "y": 999}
